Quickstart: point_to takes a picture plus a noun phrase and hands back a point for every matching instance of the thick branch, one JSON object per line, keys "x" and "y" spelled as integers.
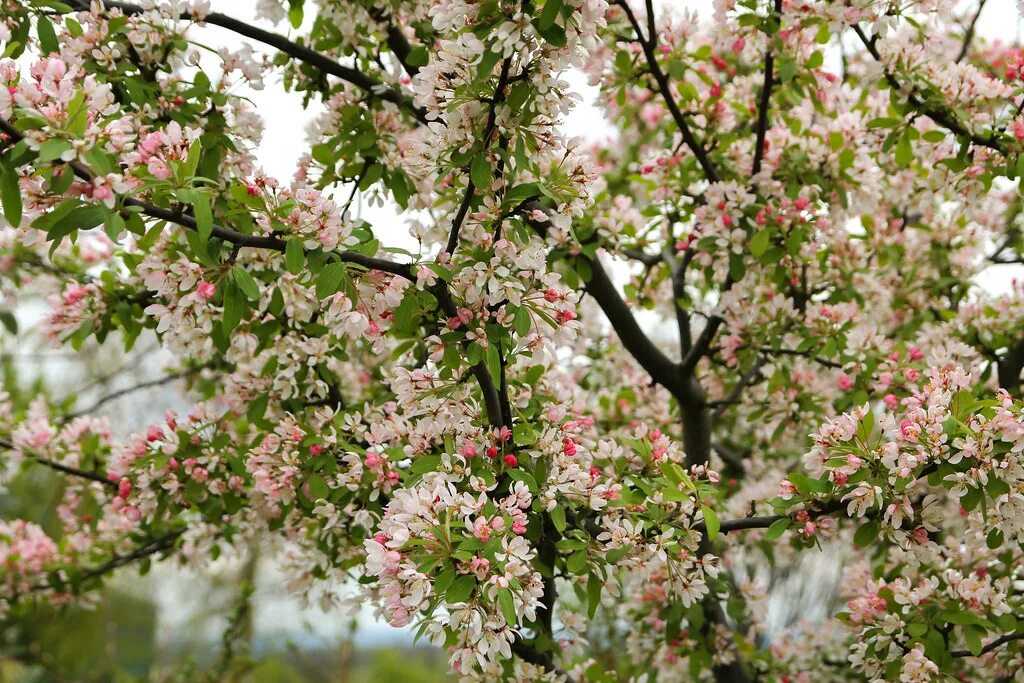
{"x": 659, "y": 366}
{"x": 1010, "y": 365}
{"x": 165, "y": 542}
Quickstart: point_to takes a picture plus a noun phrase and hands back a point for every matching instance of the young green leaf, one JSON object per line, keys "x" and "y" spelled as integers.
{"x": 204, "y": 216}
{"x": 246, "y": 282}
{"x": 10, "y": 196}
{"x": 294, "y": 256}
{"x": 711, "y": 522}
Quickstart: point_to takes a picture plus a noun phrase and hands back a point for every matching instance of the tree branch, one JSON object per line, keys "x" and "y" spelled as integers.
{"x": 665, "y": 88}
{"x": 154, "y": 546}
{"x": 969, "y": 33}
{"x": 304, "y": 54}
{"x": 994, "y": 645}
{"x": 396, "y": 40}
{"x": 58, "y": 467}
{"x": 227, "y": 234}
{"x": 467, "y": 199}
{"x": 942, "y": 117}
{"x": 128, "y": 390}
{"x": 766, "y": 95}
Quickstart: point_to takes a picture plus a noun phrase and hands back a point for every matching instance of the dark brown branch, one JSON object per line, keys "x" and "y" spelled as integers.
{"x": 304, "y": 54}
{"x": 707, "y": 335}
{"x": 665, "y": 88}
{"x": 58, "y": 467}
{"x": 467, "y": 199}
{"x": 969, "y": 33}
{"x": 227, "y": 234}
{"x": 643, "y": 257}
{"x": 113, "y": 396}
{"x": 944, "y": 118}
{"x": 492, "y": 403}
{"x": 994, "y": 645}
{"x": 802, "y": 354}
{"x": 766, "y": 95}
{"x": 396, "y": 40}
{"x": 744, "y": 381}
{"x": 152, "y": 547}
{"x": 1010, "y": 365}
{"x": 659, "y": 366}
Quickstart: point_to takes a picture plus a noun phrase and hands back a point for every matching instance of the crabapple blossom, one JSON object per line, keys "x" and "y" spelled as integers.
{"x": 620, "y": 389}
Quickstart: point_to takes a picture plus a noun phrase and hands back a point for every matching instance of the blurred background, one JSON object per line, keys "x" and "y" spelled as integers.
{"x": 162, "y": 623}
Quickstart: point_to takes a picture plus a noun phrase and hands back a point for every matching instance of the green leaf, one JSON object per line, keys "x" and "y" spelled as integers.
{"x": 904, "y": 151}
{"x": 47, "y": 36}
{"x": 577, "y": 562}
{"x": 759, "y": 243}
{"x": 294, "y": 256}
{"x": 710, "y": 522}
{"x": 866, "y": 534}
{"x": 418, "y": 56}
{"x": 52, "y": 149}
{"x": 192, "y": 160}
{"x": 493, "y": 362}
{"x": 777, "y": 528}
{"x": 246, "y": 282}
{"x": 883, "y": 123}
{"x": 295, "y": 13}
{"x": 594, "y": 588}
{"x": 524, "y": 434}
{"x": 317, "y": 488}
{"x": 508, "y": 606}
{"x": 80, "y": 218}
{"x": 10, "y": 196}
{"x": 234, "y": 304}
{"x": 558, "y": 518}
{"x": 461, "y": 589}
{"x": 824, "y": 33}
{"x": 9, "y": 322}
{"x": 204, "y": 217}
{"x": 972, "y": 635}
{"x": 548, "y": 15}
{"x": 329, "y": 279}
{"x": 970, "y": 499}
{"x": 917, "y": 629}
{"x": 522, "y": 322}
{"x": 113, "y": 225}
{"x": 257, "y": 408}
{"x": 480, "y": 171}
{"x": 444, "y": 581}
{"x": 737, "y": 269}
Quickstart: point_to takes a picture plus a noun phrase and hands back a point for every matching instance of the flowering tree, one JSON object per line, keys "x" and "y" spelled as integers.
{"x": 480, "y": 435}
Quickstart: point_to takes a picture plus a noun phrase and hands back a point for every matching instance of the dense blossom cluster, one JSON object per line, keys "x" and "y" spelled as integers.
{"x": 620, "y": 391}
